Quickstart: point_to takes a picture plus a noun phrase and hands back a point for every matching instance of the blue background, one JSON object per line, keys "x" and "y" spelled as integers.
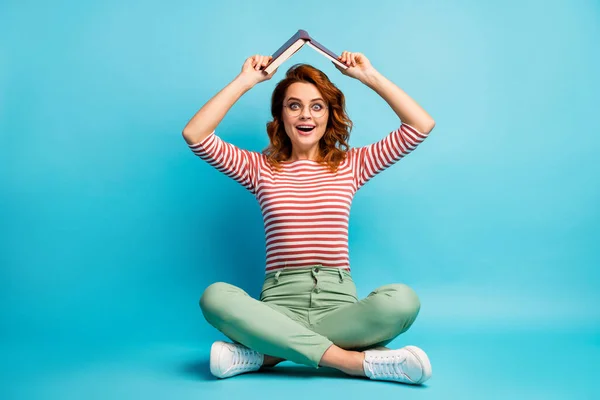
{"x": 110, "y": 227}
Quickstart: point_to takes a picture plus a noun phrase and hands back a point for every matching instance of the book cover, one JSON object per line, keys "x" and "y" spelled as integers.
{"x": 300, "y": 35}
{"x": 293, "y": 44}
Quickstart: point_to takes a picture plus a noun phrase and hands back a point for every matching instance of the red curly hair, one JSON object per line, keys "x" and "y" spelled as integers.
{"x": 333, "y": 146}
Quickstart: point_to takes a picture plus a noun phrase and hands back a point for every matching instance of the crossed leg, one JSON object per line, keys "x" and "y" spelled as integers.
{"x": 336, "y": 340}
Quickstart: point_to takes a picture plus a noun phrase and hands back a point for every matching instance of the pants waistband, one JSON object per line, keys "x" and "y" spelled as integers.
{"x": 313, "y": 270}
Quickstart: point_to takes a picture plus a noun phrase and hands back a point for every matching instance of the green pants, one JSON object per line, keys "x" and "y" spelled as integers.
{"x": 302, "y": 312}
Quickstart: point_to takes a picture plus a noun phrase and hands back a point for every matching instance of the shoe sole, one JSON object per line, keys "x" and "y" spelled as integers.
{"x": 423, "y": 360}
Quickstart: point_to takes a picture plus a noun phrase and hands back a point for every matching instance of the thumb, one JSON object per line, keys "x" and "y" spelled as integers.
{"x": 338, "y": 67}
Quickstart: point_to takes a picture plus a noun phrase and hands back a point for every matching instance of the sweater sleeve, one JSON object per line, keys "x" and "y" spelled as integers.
{"x": 370, "y": 160}
{"x": 239, "y": 164}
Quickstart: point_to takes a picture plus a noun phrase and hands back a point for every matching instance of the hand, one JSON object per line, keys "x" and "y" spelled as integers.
{"x": 359, "y": 66}
{"x": 252, "y": 70}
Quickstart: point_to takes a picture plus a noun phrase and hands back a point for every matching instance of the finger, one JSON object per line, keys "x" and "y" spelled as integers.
{"x": 360, "y": 58}
{"x": 256, "y": 61}
{"x": 267, "y": 60}
{"x": 354, "y": 59}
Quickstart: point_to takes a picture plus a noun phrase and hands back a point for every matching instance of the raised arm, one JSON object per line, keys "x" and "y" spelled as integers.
{"x": 416, "y": 123}
{"x": 206, "y": 120}
{"x": 405, "y": 107}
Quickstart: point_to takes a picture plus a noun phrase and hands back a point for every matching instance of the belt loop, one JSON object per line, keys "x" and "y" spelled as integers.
{"x": 279, "y": 272}
{"x": 341, "y": 275}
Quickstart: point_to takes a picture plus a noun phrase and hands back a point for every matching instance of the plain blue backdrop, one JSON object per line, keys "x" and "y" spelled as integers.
{"x": 110, "y": 227}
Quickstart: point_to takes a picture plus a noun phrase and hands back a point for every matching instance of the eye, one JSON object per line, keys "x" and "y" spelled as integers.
{"x": 293, "y": 106}
{"x": 318, "y": 106}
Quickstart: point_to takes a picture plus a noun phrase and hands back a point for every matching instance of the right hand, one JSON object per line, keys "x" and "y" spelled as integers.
{"x": 252, "y": 70}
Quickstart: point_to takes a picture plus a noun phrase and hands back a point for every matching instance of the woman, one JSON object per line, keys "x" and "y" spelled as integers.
{"x": 308, "y": 311}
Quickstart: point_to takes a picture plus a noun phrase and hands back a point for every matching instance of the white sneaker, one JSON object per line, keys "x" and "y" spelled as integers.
{"x": 409, "y": 365}
{"x": 229, "y": 359}
{"x": 379, "y": 348}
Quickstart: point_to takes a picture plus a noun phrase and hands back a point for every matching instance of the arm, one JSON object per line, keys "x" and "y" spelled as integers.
{"x": 205, "y": 121}
{"x": 241, "y": 165}
{"x": 405, "y": 107}
{"x": 368, "y": 161}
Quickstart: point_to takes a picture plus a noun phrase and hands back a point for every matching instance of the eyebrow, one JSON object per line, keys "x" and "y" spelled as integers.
{"x": 295, "y": 98}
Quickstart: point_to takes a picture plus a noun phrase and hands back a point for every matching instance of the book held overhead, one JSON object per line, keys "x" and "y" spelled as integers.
{"x": 294, "y": 44}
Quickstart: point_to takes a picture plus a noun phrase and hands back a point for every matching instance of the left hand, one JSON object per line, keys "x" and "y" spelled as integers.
{"x": 359, "y": 65}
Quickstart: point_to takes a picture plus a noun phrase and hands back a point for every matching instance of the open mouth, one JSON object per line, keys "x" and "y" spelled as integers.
{"x": 305, "y": 129}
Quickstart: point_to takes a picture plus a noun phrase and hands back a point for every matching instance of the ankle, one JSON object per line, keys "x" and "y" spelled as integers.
{"x": 270, "y": 361}
{"x": 347, "y": 361}
{"x": 356, "y": 366}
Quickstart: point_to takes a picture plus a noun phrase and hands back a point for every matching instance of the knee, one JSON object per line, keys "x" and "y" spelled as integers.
{"x": 213, "y": 299}
{"x": 399, "y": 301}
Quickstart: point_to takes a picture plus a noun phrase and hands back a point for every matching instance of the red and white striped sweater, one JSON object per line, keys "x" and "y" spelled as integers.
{"x": 305, "y": 207}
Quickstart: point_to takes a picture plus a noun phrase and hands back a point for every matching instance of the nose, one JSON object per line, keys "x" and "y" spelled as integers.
{"x": 305, "y": 112}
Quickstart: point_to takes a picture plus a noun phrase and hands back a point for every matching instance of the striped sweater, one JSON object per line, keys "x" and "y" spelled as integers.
{"x": 305, "y": 207}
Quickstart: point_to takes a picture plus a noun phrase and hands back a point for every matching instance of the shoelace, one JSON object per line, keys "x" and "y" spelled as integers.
{"x": 388, "y": 366}
{"x": 245, "y": 358}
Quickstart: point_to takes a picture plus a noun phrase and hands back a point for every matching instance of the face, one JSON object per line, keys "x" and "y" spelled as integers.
{"x": 305, "y": 97}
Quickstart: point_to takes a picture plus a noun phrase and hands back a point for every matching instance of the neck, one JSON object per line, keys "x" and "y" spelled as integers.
{"x": 312, "y": 156}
